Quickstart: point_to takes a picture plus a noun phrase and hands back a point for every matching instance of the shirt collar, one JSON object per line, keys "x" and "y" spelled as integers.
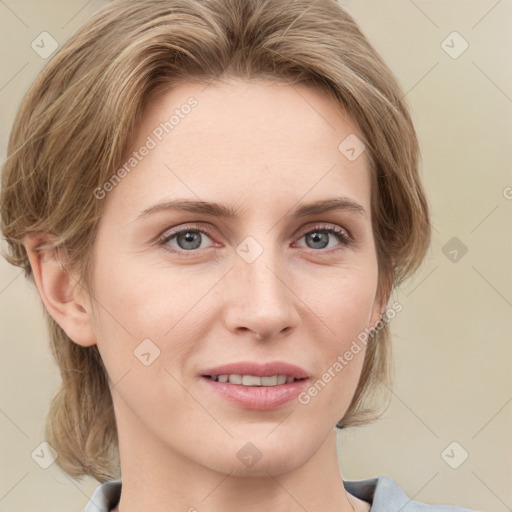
{"x": 382, "y": 492}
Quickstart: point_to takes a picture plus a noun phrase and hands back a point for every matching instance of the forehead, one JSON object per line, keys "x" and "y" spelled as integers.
{"x": 245, "y": 139}
{"x": 255, "y": 111}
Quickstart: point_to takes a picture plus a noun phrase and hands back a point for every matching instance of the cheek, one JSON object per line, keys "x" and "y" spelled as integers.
{"x": 137, "y": 302}
{"x": 345, "y": 308}
{"x": 345, "y": 301}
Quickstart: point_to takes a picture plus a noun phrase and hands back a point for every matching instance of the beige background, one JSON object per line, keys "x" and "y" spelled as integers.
{"x": 451, "y": 341}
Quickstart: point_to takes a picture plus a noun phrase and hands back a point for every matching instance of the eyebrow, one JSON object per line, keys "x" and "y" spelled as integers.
{"x": 219, "y": 210}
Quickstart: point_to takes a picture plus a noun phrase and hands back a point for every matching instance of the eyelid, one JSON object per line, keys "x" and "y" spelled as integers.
{"x": 169, "y": 233}
{"x": 345, "y": 235}
{"x": 328, "y": 226}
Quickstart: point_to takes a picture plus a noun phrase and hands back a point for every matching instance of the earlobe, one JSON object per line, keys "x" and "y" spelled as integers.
{"x": 61, "y": 293}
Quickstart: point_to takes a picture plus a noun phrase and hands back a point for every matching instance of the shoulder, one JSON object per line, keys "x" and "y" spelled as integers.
{"x": 105, "y": 497}
{"x": 385, "y": 495}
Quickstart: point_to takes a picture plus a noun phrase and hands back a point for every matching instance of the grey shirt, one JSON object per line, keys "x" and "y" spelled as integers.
{"x": 382, "y": 492}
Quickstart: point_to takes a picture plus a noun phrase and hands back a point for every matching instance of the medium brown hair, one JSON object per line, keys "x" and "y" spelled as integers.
{"x": 76, "y": 122}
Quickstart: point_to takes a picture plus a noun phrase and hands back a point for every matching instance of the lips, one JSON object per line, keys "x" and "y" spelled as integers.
{"x": 251, "y": 385}
{"x": 257, "y": 369}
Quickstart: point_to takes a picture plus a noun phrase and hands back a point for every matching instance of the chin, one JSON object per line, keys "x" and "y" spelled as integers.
{"x": 268, "y": 464}
{"x": 257, "y": 454}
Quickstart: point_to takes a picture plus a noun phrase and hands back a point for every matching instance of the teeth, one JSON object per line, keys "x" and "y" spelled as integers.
{"x": 252, "y": 380}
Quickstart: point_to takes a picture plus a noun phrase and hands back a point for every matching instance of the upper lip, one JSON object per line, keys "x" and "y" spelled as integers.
{"x": 258, "y": 369}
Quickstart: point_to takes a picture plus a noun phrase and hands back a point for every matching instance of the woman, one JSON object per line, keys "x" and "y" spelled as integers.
{"x": 215, "y": 199}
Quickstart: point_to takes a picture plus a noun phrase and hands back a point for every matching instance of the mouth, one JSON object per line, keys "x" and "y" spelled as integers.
{"x": 256, "y": 386}
{"x": 254, "y": 380}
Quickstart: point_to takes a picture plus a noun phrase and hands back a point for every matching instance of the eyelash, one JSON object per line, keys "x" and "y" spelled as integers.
{"x": 342, "y": 236}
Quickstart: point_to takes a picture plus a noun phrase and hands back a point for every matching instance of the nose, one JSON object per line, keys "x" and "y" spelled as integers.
{"x": 261, "y": 299}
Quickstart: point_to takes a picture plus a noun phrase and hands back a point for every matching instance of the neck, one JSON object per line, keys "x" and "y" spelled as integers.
{"x": 158, "y": 479}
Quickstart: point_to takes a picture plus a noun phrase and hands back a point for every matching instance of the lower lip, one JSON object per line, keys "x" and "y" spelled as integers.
{"x": 257, "y": 397}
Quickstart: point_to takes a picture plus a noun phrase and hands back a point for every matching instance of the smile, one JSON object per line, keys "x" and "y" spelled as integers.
{"x": 253, "y": 380}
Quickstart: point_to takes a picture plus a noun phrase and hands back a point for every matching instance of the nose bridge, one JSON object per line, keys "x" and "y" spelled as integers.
{"x": 262, "y": 276}
{"x": 261, "y": 297}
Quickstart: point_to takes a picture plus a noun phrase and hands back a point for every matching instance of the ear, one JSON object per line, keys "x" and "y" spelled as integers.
{"x": 60, "y": 290}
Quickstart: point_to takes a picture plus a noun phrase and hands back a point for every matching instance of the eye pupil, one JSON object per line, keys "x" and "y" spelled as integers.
{"x": 316, "y": 237}
{"x": 189, "y": 242}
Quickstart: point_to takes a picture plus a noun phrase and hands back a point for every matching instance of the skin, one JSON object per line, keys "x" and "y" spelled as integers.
{"x": 263, "y": 148}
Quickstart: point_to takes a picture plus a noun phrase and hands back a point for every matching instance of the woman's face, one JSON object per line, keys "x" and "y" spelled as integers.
{"x": 179, "y": 291}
